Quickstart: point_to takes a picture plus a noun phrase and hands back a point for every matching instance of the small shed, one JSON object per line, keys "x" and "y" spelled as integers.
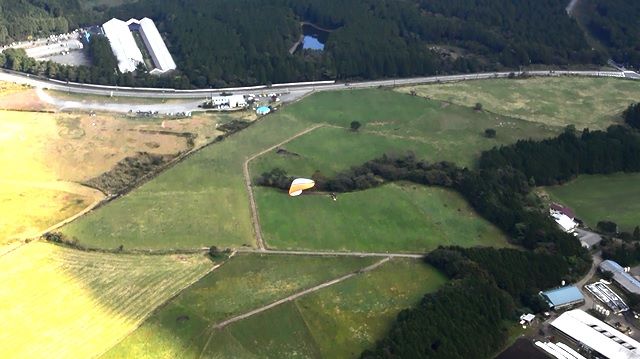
{"x": 527, "y": 318}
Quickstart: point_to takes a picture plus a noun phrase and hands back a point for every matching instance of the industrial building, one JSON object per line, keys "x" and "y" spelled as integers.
{"x": 595, "y": 337}
{"x": 126, "y": 49}
{"x": 122, "y": 44}
{"x": 563, "y": 297}
{"x": 623, "y": 279}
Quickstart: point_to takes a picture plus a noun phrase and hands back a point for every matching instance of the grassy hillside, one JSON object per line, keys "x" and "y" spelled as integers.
{"x": 336, "y": 322}
{"x": 64, "y": 303}
{"x": 202, "y": 201}
{"x": 244, "y": 283}
{"x": 602, "y": 197}
{"x": 584, "y": 102}
{"x": 394, "y": 218}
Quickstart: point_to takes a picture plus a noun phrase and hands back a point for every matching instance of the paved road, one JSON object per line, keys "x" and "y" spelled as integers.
{"x": 294, "y": 89}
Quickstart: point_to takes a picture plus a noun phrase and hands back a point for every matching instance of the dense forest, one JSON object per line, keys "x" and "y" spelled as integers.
{"x": 465, "y": 319}
{"x": 615, "y": 24}
{"x": 218, "y": 43}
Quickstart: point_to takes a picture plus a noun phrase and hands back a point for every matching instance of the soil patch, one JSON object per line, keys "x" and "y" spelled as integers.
{"x": 522, "y": 348}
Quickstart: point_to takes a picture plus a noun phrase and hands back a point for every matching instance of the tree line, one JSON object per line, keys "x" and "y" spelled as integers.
{"x": 218, "y": 43}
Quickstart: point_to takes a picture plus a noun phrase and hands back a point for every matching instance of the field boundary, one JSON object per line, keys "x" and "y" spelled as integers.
{"x": 255, "y": 219}
{"x": 155, "y": 310}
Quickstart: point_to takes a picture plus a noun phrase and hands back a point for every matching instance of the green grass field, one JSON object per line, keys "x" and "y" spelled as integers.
{"x": 337, "y": 322}
{"x": 583, "y": 102}
{"x": 202, "y": 200}
{"x": 240, "y": 285}
{"x": 394, "y": 217}
{"x": 602, "y": 197}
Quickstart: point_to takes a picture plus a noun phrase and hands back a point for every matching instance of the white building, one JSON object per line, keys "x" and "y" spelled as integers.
{"x": 122, "y": 44}
{"x": 232, "y": 101}
{"x": 597, "y": 336}
{"x": 567, "y": 224}
{"x": 126, "y": 50}
{"x": 155, "y": 45}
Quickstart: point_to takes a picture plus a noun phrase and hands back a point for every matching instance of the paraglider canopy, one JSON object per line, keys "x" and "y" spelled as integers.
{"x": 300, "y": 184}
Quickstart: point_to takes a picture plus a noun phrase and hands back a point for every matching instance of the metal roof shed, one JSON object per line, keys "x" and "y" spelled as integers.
{"x": 123, "y": 45}
{"x": 155, "y": 45}
{"x": 622, "y": 278}
{"x": 597, "y": 335}
{"x": 563, "y": 297}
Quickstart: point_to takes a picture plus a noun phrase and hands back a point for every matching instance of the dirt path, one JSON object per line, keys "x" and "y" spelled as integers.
{"x": 292, "y": 297}
{"x": 247, "y": 178}
{"x": 330, "y": 254}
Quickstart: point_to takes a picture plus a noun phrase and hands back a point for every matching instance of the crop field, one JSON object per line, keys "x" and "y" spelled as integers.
{"x": 394, "y": 217}
{"x": 63, "y": 303}
{"x": 336, "y": 322}
{"x": 244, "y": 283}
{"x": 29, "y": 208}
{"x": 203, "y": 201}
{"x": 595, "y": 198}
{"x": 584, "y": 102}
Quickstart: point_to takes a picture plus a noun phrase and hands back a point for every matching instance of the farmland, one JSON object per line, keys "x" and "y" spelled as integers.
{"x": 395, "y": 217}
{"x": 94, "y": 298}
{"x": 583, "y": 102}
{"x": 202, "y": 201}
{"x": 338, "y": 321}
{"x": 242, "y": 284}
{"x": 596, "y": 198}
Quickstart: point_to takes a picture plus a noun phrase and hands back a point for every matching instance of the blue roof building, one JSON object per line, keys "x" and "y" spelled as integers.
{"x": 563, "y": 297}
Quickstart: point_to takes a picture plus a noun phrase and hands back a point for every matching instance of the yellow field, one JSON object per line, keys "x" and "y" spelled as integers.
{"x": 62, "y": 303}
{"x": 43, "y": 157}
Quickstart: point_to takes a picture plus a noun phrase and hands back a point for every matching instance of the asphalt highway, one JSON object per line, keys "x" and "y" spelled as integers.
{"x": 290, "y": 91}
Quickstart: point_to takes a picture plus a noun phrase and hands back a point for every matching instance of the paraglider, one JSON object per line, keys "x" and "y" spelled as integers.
{"x": 300, "y": 184}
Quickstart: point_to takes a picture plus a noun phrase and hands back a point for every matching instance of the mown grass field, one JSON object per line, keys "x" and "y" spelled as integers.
{"x": 62, "y": 303}
{"x": 395, "y": 218}
{"x": 336, "y": 322}
{"x": 584, "y": 102}
{"x": 595, "y": 198}
{"x": 202, "y": 201}
{"x": 240, "y": 285}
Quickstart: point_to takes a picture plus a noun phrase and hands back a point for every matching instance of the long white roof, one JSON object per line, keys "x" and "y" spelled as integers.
{"x": 123, "y": 44}
{"x": 597, "y": 335}
{"x": 156, "y": 46}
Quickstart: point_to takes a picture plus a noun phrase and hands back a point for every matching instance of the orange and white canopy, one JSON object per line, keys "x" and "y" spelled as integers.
{"x": 300, "y": 184}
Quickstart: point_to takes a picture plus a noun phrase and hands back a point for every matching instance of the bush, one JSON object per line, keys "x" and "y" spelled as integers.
{"x": 607, "y": 227}
{"x": 490, "y": 133}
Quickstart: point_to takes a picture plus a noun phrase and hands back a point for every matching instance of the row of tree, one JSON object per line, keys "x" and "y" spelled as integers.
{"x": 217, "y": 43}
{"x": 557, "y": 160}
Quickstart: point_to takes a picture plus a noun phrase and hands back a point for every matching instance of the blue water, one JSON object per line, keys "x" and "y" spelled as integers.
{"x": 311, "y": 42}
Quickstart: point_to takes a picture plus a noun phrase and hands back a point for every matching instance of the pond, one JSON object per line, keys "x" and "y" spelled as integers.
{"x": 314, "y": 38}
